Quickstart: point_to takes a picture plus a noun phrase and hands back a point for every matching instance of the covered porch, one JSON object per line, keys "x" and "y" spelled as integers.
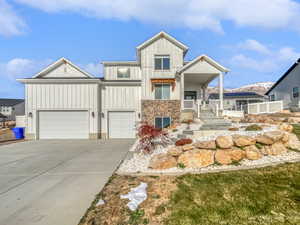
{"x": 195, "y": 77}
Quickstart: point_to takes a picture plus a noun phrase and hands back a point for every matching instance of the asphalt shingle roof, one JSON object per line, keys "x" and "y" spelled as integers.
{"x": 236, "y": 95}
{"x": 10, "y": 102}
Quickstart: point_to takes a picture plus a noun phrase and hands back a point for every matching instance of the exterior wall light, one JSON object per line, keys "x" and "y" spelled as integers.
{"x": 30, "y": 114}
{"x": 93, "y": 114}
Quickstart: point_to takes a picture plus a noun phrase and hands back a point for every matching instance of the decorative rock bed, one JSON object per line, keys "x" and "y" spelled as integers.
{"x": 225, "y": 152}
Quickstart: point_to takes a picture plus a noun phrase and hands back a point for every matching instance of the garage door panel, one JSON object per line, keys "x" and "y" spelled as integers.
{"x": 121, "y": 124}
{"x": 63, "y": 125}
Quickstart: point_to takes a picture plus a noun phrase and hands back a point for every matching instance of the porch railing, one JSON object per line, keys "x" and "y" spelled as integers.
{"x": 189, "y": 104}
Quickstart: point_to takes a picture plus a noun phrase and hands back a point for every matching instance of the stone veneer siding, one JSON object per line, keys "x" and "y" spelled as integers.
{"x": 160, "y": 108}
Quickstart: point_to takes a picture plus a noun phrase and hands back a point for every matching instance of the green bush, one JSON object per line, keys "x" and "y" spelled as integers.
{"x": 253, "y": 127}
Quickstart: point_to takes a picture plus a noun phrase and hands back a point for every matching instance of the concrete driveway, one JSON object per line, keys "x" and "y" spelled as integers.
{"x": 54, "y": 182}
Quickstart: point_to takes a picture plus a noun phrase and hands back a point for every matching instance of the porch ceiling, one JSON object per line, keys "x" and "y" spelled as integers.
{"x": 199, "y": 78}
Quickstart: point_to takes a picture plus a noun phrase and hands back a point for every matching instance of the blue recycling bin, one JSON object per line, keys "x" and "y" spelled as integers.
{"x": 18, "y": 132}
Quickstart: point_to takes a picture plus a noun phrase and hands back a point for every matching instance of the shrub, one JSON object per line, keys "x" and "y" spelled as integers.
{"x": 181, "y": 165}
{"x": 184, "y": 141}
{"x": 188, "y": 121}
{"x": 253, "y": 127}
{"x": 150, "y": 137}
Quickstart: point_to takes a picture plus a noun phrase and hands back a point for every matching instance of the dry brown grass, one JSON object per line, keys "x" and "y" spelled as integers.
{"x": 115, "y": 211}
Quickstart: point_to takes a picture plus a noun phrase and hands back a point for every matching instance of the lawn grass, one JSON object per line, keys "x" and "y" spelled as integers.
{"x": 265, "y": 196}
{"x": 296, "y": 130}
{"x": 262, "y": 196}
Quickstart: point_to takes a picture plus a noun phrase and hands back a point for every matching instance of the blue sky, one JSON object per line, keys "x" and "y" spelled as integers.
{"x": 257, "y": 40}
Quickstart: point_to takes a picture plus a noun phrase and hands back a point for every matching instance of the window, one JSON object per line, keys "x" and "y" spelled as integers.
{"x": 162, "y": 122}
{"x": 162, "y": 91}
{"x": 272, "y": 97}
{"x": 123, "y": 73}
{"x": 295, "y": 92}
{"x": 162, "y": 62}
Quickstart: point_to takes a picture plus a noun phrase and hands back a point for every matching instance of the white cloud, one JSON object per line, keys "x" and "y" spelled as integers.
{"x": 197, "y": 14}
{"x": 268, "y": 61}
{"x": 254, "y": 45}
{"x": 10, "y": 23}
{"x": 21, "y": 67}
{"x": 288, "y": 54}
{"x": 243, "y": 61}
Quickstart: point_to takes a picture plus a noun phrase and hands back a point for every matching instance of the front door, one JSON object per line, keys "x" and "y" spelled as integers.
{"x": 190, "y": 95}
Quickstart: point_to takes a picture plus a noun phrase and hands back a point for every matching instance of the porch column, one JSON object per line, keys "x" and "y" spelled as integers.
{"x": 203, "y": 88}
{"x": 182, "y": 90}
{"x": 221, "y": 90}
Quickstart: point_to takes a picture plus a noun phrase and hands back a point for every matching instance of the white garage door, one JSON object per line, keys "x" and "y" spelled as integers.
{"x": 121, "y": 124}
{"x": 63, "y": 125}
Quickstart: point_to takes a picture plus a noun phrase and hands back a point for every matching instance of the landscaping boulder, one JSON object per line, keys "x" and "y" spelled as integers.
{"x": 266, "y": 150}
{"x": 237, "y": 154}
{"x": 197, "y": 158}
{"x": 293, "y": 142}
{"x": 285, "y": 137}
{"x": 223, "y": 157}
{"x": 274, "y": 135}
{"x": 241, "y": 141}
{"x": 206, "y": 145}
{"x": 224, "y": 142}
{"x": 252, "y": 152}
{"x": 278, "y": 148}
{"x": 175, "y": 151}
{"x": 162, "y": 161}
{"x": 286, "y": 127}
{"x": 187, "y": 147}
{"x": 262, "y": 139}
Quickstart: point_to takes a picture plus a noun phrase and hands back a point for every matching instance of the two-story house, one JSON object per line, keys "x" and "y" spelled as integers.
{"x": 11, "y": 108}
{"x": 63, "y": 101}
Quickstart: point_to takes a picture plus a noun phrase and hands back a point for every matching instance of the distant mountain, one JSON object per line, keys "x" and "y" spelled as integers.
{"x": 260, "y": 88}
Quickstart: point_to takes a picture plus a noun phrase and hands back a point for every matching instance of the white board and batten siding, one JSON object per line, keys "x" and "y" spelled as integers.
{"x": 61, "y": 97}
{"x": 115, "y": 100}
{"x": 161, "y": 46}
{"x": 111, "y": 72}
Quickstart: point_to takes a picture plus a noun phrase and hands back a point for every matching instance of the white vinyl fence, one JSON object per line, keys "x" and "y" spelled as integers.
{"x": 265, "y": 107}
{"x": 20, "y": 121}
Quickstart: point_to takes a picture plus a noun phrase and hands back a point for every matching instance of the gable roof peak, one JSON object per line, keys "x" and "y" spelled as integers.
{"x": 205, "y": 58}
{"x": 164, "y": 35}
{"x": 59, "y": 62}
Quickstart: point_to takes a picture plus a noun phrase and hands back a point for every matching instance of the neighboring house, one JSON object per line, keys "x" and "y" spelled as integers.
{"x": 12, "y": 108}
{"x": 237, "y": 100}
{"x": 286, "y": 89}
{"x": 63, "y": 101}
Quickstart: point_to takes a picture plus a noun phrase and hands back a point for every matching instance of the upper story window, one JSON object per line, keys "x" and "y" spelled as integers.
{"x": 272, "y": 97}
{"x": 162, "y": 91}
{"x": 162, "y": 62}
{"x": 123, "y": 73}
{"x": 295, "y": 92}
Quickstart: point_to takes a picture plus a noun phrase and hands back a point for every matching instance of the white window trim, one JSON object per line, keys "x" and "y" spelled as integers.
{"x": 162, "y": 117}
{"x": 162, "y": 66}
{"x": 161, "y": 92}
{"x": 123, "y": 78}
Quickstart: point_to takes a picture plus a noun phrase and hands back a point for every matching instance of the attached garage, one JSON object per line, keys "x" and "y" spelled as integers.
{"x": 63, "y": 124}
{"x": 121, "y": 124}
